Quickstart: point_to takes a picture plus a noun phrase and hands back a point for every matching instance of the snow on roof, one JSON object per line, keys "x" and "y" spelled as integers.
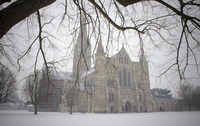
{"x": 85, "y": 86}
{"x": 114, "y": 56}
{"x": 91, "y": 70}
{"x": 62, "y": 75}
{"x": 80, "y": 86}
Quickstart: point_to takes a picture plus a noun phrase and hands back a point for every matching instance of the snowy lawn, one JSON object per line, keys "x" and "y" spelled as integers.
{"x": 25, "y": 118}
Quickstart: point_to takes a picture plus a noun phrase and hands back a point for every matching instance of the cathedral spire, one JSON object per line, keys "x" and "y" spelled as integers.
{"x": 100, "y": 58}
{"x": 100, "y": 49}
{"x": 142, "y": 56}
{"x": 83, "y": 29}
{"x": 82, "y": 50}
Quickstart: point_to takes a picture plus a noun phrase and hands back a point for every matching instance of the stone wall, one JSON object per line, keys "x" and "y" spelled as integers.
{"x": 164, "y": 105}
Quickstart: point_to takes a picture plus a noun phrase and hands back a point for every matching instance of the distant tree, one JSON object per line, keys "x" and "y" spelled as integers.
{"x": 185, "y": 93}
{"x": 7, "y": 84}
{"x": 71, "y": 93}
{"x": 161, "y": 93}
{"x": 32, "y": 90}
{"x": 196, "y": 98}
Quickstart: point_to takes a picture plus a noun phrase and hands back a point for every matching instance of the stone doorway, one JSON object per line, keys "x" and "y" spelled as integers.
{"x": 128, "y": 107}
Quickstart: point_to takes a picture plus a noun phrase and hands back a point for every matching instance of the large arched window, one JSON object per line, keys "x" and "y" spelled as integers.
{"x": 120, "y": 78}
{"x": 112, "y": 97}
{"x": 124, "y": 77}
{"x": 129, "y": 80}
{"x": 140, "y": 98}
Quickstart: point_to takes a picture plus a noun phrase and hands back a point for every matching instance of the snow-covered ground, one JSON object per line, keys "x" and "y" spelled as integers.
{"x": 25, "y": 118}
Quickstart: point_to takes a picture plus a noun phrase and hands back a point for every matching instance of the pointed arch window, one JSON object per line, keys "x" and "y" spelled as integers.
{"x": 120, "y": 78}
{"x": 124, "y": 77}
{"x": 112, "y": 97}
{"x": 129, "y": 80}
{"x": 140, "y": 98}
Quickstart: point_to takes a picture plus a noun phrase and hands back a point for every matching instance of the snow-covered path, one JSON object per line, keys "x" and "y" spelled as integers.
{"x": 25, "y": 118}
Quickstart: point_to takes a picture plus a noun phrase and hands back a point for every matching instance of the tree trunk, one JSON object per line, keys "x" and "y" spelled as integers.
{"x": 35, "y": 110}
{"x": 19, "y": 10}
{"x": 70, "y": 109}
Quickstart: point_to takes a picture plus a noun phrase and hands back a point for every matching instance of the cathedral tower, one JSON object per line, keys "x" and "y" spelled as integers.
{"x": 144, "y": 71}
{"x": 82, "y": 50}
{"x": 100, "y": 58}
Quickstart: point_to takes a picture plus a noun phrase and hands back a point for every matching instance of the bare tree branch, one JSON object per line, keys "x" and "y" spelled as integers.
{"x": 18, "y": 11}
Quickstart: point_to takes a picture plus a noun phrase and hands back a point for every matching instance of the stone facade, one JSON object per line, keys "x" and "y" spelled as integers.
{"x": 168, "y": 104}
{"x": 114, "y": 85}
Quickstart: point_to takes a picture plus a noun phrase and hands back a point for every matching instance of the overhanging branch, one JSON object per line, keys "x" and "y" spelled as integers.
{"x": 18, "y": 11}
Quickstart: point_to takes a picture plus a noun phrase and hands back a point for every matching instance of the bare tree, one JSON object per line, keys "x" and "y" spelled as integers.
{"x": 72, "y": 93}
{"x": 7, "y": 84}
{"x": 19, "y": 10}
{"x": 185, "y": 93}
{"x": 32, "y": 90}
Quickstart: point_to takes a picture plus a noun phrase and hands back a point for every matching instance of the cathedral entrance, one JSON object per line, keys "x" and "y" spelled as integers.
{"x": 128, "y": 107}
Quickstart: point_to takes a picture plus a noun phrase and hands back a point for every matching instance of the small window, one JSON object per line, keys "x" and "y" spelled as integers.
{"x": 110, "y": 83}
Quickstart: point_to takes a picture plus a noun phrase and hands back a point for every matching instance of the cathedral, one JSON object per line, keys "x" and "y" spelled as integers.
{"x": 114, "y": 85}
